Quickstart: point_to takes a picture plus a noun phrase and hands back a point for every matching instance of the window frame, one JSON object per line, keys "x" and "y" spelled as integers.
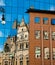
{"x": 46, "y": 54}
{"x": 45, "y": 35}
{"x": 37, "y": 56}
{"x": 45, "y": 21}
{"x": 37, "y": 18}
{"x": 37, "y": 35}
{"x": 27, "y": 45}
{"x": 21, "y": 46}
{"x": 53, "y": 35}
{"x": 53, "y": 53}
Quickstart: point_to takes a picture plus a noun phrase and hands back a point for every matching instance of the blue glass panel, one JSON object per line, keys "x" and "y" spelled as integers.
{"x": 1, "y": 32}
{"x": 47, "y": 1}
{"x": 52, "y": 8}
{"x": 4, "y": 40}
{"x": 8, "y": 10}
{"x": 14, "y": 10}
{"x": 20, "y": 18}
{"x": 8, "y": 25}
{"x": 1, "y": 47}
{"x": 8, "y": 17}
{"x": 25, "y": 9}
{"x": 1, "y": 40}
{"x": 13, "y": 32}
{"x": 14, "y": 3}
{"x": 41, "y": 6}
{"x": 26, "y": 18}
{"x": 51, "y": 1}
{"x": 8, "y": 3}
{"x": 37, "y": 5}
{"x": 46, "y": 6}
{"x": 26, "y": 4}
{"x": 37, "y": 0}
{"x": 20, "y": 2}
{"x": 42, "y": 1}
{"x": 20, "y": 10}
{"x": 14, "y": 17}
{"x": 31, "y": 3}
{"x": 7, "y": 32}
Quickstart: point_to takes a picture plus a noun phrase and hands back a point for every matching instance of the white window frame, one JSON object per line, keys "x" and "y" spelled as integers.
{"x": 46, "y": 53}
{"x": 53, "y": 35}
{"x": 37, "y": 52}
{"x": 53, "y": 53}
{"x": 45, "y": 21}
{"x": 37, "y": 34}
{"x": 46, "y": 35}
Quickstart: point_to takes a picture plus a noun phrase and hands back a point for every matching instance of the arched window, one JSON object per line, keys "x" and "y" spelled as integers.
{"x": 6, "y": 62}
{"x": 21, "y": 59}
{"x": 16, "y": 61}
{"x": 27, "y": 60}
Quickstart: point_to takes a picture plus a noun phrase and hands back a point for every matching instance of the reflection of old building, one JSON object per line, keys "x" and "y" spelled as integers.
{"x": 9, "y": 45}
{"x": 7, "y": 57}
{"x": 16, "y": 49}
{"x": 1, "y": 57}
{"x": 22, "y": 53}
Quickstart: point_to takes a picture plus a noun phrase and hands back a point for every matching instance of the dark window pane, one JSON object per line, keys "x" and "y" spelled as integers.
{"x": 21, "y": 62}
{"x": 27, "y": 62}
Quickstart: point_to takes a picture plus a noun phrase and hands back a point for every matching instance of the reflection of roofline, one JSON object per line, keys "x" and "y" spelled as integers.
{"x": 40, "y": 11}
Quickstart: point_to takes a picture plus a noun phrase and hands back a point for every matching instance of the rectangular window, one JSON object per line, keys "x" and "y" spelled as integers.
{"x": 46, "y": 53}
{"x": 37, "y": 20}
{"x": 16, "y": 61}
{"x": 21, "y": 46}
{"x": 53, "y": 35}
{"x": 37, "y": 52}
{"x": 37, "y": 34}
{"x": 45, "y": 20}
{"x": 27, "y": 46}
{"x": 21, "y": 62}
{"x": 46, "y": 35}
{"x": 0, "y": 63}
{"x": 53, "y": 53}
{"x": 27, "y": 62}
{"x": 53, "y": 21}
{"x": 6, "y": 62}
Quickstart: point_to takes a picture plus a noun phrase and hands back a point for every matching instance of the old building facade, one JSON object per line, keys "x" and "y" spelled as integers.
{"x": 7, "y": 57}
{"x": 22, "y": 52}
{"x": 16, "y": 48}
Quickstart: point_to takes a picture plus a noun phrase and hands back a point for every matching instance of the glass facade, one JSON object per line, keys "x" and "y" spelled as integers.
{"x": 15, "y": 10}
